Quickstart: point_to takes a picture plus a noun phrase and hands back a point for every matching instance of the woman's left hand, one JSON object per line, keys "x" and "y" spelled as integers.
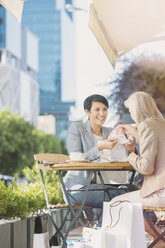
{"x": 130, "y": 146}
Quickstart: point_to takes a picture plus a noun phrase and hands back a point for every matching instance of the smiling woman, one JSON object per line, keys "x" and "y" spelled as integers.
{"x": 84, "y": 137}
{"x": 90, "y": 138}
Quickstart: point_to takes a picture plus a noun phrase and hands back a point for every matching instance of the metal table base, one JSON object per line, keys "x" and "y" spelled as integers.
{"x": 76, "y": 214}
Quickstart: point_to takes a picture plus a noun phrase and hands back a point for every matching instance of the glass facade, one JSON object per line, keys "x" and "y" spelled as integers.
{"x": 2, "y": 27}
{"x": 42, "y": 18}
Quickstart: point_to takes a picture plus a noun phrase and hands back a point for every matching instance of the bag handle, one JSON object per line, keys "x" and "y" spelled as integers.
{"x": 111, "y": 206}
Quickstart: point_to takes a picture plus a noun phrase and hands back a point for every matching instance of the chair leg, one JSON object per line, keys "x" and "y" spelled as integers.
{"x": 157, "y": 236}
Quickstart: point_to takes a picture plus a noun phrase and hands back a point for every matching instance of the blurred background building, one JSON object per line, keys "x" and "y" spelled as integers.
{"x": 55, "y": 28}
{"x": 19, "y": 91}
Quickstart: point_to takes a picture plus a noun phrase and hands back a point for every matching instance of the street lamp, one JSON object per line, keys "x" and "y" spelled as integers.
{"x": 71, "y": 8}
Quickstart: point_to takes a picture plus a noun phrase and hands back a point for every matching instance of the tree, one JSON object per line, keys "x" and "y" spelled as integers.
{"x": 143, "y": 73}
{"x": 20, "y": 140}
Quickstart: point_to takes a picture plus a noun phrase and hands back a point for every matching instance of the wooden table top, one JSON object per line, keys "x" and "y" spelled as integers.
{"x": 87, "y": 166}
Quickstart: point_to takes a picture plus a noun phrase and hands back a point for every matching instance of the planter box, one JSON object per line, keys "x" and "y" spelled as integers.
{"x": 20, "y": 233}
{"x": 17, "y": 234}
{"x": 5, "y": 235}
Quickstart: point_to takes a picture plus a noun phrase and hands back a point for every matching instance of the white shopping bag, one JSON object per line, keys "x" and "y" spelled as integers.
{"x": 93, "y": 237}
{"x": 127, "y": 218}
{"x": 102, "y": 238}
{"x": 41, "y": 236}
{"x": 41, "y": 240}
{"x": 80, "y": 245}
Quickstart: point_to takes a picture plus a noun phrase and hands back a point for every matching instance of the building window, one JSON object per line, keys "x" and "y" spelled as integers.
{"x": 2, "y": 38}
{"x": 1, "y": 21}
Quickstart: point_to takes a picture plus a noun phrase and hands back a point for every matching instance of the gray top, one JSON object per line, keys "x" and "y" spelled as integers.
{"x": 80, "y": 139}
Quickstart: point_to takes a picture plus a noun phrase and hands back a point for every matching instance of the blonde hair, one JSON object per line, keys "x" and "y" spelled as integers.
{"x": 142, "y": 106}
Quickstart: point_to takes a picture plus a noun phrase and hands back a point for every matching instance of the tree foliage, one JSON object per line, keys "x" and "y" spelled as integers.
{"x": 143, "y": 73}
{"x": 20, "y": 140}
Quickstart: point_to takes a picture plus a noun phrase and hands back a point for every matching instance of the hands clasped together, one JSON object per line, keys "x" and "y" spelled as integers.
{"x": 130, "y": 131}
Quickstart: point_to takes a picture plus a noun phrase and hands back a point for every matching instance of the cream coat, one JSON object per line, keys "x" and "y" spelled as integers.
{"x": 151, "y": 162}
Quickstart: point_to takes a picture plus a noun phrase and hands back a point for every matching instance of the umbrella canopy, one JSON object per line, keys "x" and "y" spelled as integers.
{"x": 120, "y": 25}
{"x": 14, "y": 6}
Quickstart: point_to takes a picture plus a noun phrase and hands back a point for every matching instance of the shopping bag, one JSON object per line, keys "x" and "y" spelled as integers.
{"x": 102, "y": 238}
{"x": 55, "y": 241}
{"x": 77, "y": 243}
{"x": 41, "y": 240}
{"x": 80, "y": 245}
{"x": 41, "y": 236}
{"x": 126, "y": 218}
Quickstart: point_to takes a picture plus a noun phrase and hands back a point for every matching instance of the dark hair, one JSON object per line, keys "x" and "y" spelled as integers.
{"x": 94, "y": 98}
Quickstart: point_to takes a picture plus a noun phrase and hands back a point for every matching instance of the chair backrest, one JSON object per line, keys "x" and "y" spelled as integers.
{"x": 51, "y": 157}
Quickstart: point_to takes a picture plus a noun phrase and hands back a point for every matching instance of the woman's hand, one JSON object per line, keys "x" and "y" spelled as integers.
{"x": 107, "y": 144}
{"x": 127, "y": 129}
{"x": 130, "y": 146}
{"x": 131, "y": 157}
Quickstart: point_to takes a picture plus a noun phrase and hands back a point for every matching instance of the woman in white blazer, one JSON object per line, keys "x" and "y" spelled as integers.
{"x": 150, "y": 135}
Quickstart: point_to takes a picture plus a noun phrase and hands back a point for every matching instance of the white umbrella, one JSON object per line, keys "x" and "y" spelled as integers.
{"x": 14, "y": 6}
{"x": 120, "y": 25}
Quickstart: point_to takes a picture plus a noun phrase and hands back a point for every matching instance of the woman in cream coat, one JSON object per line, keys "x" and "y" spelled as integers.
{"x": 150, "y": 134}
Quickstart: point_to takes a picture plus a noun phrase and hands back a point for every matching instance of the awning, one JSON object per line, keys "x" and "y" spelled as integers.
{"x": 14, "y": 6}
{"x": 120, "y": 25}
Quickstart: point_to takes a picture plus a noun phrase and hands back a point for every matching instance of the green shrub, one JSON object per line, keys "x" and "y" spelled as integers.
{"x": 21, "y": 201}
{"x": 18, "y": 201}
{"x": 52, "y": 182}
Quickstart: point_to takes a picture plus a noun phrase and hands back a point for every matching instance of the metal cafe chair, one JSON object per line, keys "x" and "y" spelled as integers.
{"x": 157, "y": 220}
{"x": 46, "y": 160}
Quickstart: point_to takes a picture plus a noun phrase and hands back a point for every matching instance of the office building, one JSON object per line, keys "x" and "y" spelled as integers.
{"x": 46, "y": 19}
{"x": 19, "y": 91}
